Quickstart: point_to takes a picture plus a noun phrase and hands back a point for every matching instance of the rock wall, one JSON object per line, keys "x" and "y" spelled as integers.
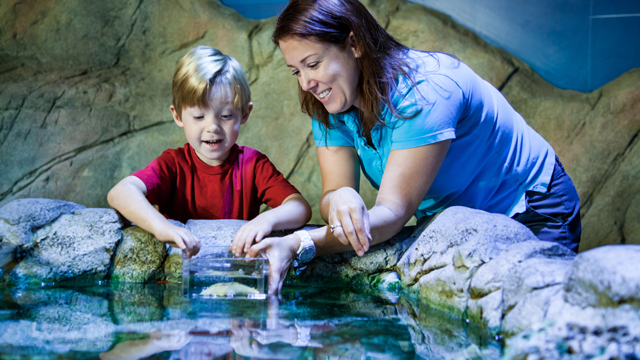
{"x": 85, "y": 89}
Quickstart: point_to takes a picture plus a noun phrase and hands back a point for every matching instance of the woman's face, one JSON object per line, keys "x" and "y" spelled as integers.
{"x": 325, "y": 70}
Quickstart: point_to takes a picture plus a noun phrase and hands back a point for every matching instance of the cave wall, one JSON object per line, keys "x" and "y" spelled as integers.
{"x": 85, "y": 88}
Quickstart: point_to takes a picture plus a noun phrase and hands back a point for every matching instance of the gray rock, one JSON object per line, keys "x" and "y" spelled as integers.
{"x": 486, "y": 288}
{"x": 139, "y": 258}
{"x": 75, "y": 248}
{"x": 604, "y": 277}
{"x": 348, "y": 268}
{"x": 214, "y": 234}
{"x": 441, "y": 263}
{"x": 530, "y": 311}
{"x": 19, "y": 219}
{"x": 532, "y": 274}
{"x": 491, "y": 275}
{"x": 584, "y": 333}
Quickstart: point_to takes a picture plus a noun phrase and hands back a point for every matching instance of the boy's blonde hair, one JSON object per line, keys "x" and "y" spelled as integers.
{"x": 200, "y": 71}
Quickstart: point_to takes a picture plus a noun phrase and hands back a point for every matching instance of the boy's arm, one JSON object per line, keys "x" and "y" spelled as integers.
{"x": 292, "y": 213}
{"x": 129, "y": 198}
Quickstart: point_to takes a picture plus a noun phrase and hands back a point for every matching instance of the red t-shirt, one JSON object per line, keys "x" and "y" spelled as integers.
{"x": 186, "y": 188}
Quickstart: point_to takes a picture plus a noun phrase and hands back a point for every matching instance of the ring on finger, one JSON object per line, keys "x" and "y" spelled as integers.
{"x": 333, "y": 227}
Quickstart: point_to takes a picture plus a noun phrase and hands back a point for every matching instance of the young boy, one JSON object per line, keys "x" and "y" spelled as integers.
{"x": 211, "y": 177}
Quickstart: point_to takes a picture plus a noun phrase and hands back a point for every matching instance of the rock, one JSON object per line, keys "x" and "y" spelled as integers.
{"x": 595, "y": 136}
{"x": 435, "y": 334}
{"x": 19, "y": 219}
{"x": 490, "y": 276}
{"x": 173, "y": 261}
{"x": 604, "y": 277}
{"x": 387, "y": 281}
{"x": 348, "y": 268}
{"x": 611, "y": 215}
{"x": 173, "y": 266}
{"x": 486, "y": 290}
{"x": 214, "y": 234}
{"x": 441, "y": 263}
{"x": 139, "y": 258}
{"x": 532, "y": 274}
{"x": 76, "y": 248}
{"x": 584, "y": 333}
{"x": 529, "y": 311}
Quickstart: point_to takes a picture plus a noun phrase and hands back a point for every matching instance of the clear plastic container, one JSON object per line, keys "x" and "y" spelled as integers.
{"x": 217, "y": 273}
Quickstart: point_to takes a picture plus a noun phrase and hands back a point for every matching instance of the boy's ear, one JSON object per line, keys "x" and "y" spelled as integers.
{"x": 246, "y": 116}
{"x": 176, "y": 116}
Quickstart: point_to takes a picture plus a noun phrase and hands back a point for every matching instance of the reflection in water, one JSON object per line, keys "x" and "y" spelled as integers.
{"x": 141, "y": 321}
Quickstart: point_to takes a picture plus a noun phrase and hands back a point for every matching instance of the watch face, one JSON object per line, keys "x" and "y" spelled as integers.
{"x": 307, "y": 254}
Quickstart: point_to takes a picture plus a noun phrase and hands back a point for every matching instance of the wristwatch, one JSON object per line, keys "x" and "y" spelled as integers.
{"x": 307, "y": 249}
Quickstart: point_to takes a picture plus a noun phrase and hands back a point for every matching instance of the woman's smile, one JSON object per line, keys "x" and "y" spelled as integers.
{"x": 327, "y": 71}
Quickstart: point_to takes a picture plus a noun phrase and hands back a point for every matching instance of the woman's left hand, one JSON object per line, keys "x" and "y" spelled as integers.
{"x": 281, "y": 252}
{"x": 349, "y": 219}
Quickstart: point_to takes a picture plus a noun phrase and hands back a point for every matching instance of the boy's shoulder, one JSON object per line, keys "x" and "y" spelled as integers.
{"x": 249, "y": 153}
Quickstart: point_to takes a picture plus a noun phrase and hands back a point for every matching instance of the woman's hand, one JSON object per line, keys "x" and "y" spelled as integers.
{"x": 349, "y": 219}
{"x": 281, "y": 252}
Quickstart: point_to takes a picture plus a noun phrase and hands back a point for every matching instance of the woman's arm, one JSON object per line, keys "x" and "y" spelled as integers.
{"x": 129, "y": 198}
{"x": 408, "y": 176}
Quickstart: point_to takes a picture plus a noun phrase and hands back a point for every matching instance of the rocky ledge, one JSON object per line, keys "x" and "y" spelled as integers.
{"x": 543, "y": 298}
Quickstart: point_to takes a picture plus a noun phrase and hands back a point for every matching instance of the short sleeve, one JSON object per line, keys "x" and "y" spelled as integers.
{"x": 337, "y": 135}
{"x": 159, "y": 178}
{"x": 437, "y": 103}
{"x": 272, "y": 186}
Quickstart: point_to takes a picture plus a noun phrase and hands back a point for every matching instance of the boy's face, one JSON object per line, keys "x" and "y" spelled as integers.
{"x": 212, "y": 132}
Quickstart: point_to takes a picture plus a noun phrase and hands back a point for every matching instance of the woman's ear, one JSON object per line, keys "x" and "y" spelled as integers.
{"x": 351, "y": 44}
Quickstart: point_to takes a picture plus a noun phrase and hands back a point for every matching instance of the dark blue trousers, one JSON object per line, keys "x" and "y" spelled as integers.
{"x": 554, "y": 215}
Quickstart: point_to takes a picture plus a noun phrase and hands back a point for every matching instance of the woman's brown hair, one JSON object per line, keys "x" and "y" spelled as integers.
{"x": 381, "y": 58}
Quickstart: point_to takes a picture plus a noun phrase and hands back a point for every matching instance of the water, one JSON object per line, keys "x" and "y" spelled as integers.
{"x": 129, "y": 321}
{"x": 220, "y": 274}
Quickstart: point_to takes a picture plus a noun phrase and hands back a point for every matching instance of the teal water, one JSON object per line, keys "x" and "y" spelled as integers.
{"x": 131, "y": 321}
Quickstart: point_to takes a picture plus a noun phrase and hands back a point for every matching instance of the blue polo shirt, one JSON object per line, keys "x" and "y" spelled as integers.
{"x": 494, "y": 156}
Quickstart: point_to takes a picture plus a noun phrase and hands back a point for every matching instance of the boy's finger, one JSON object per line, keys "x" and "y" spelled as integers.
{"x": 254, "y": 251}
{"x": 259, "y": 236}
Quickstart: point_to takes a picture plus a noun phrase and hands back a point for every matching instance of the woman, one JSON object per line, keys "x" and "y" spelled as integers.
{"x": 428, "y": 132}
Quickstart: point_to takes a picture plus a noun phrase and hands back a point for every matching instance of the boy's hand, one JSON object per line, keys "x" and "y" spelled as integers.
{"x": 255, "y": 229}
{"x": 179, "y": 237}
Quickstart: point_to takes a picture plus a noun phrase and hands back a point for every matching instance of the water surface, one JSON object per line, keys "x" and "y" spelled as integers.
{"x": 130, "y": 321}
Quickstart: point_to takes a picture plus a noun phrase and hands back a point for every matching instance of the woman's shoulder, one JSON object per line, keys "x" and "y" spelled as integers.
{"x": 422, "y": 63}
